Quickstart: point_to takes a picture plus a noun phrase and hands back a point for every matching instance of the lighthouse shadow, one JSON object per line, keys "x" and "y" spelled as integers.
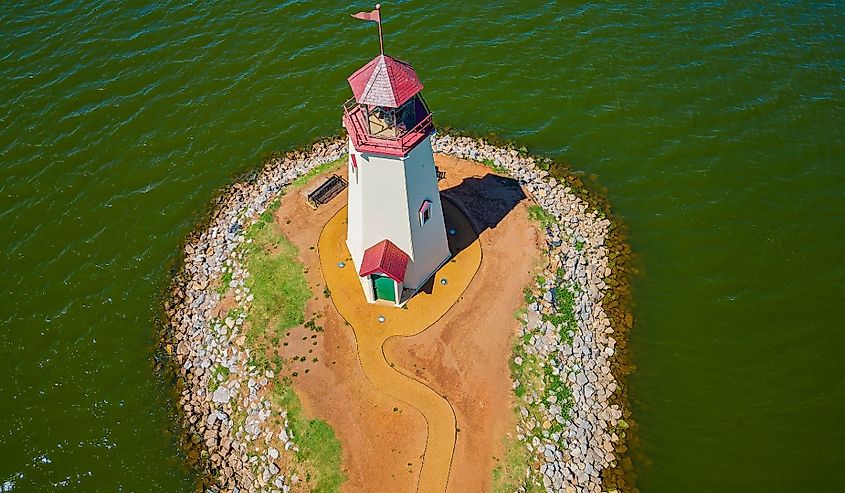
{"x": 485, "y": 200}
{"x": 473, "y": 206}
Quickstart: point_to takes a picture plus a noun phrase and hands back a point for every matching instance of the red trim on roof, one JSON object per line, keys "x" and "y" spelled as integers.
{"x": 385, "y": 258}
{"x": 385, "y": 81}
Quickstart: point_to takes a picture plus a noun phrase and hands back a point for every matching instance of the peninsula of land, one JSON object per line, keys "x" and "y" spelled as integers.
{"x": 503, "y": 374}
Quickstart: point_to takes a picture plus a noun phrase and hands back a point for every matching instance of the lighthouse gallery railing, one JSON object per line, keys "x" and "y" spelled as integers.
{"x": 355, "y": 120}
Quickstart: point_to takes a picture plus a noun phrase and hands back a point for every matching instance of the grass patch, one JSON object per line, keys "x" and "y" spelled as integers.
{"x": 224, "y": 282}
{"x": 527, "y": 295}
{"x": 322, "y": 168}
{"x": 277, "y": 282}
{"x": 564, "y": 315}
{"x": 258, "y": 358}
{"x": 497, "y": 168}
{"x": 319, "y": 449}
{"x": 537, "y": 386}
{"x": 280, "y": 291}
{"x": 213, "y": 381}
{"x": 220, "y": 370}
{"x": 266, "y": 217}
{"x": 540, "y": 215}
{"x": 509, "y": 475}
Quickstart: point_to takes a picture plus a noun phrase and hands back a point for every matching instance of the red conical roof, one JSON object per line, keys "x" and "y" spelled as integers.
{"x": 385, "y": 81}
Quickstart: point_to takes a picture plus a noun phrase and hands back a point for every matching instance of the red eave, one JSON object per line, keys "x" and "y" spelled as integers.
{"x": 385, "y": 258}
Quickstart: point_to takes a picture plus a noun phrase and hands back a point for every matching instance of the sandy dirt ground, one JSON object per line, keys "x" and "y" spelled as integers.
{"x": 382, "y": 439}
{"x": 374, "y": 324}
{"x": 463, "y": 356}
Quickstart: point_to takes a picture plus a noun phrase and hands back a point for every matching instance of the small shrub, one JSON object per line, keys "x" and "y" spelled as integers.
{"x": 497, "y": 168}
{"x": 225, "y": 279}
{"x": 540, "y": 215}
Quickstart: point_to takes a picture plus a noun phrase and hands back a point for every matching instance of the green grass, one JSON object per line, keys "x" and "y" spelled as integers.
{"x": 234, "y": 313}
{"x": 267, "y": 216}
{"x": 564, "y": 316}
{"x": 536, "y": 377}
{"x": 319, "y": 448}
{"x": 213, "y": 382}
{"x": 527, "y": 296}
{"x": 277, "y": 281}
{"x": 540, "y": 215}
{"x": 224, "y": 282}
{"x": 322, "y": 168}
{"x": 509, "y": 475}
{"x": 497, "y": 168}
{"x": 280, "y": 291}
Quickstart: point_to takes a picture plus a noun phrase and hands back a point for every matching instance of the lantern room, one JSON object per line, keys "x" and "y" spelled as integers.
{"x": 387, "y": 114}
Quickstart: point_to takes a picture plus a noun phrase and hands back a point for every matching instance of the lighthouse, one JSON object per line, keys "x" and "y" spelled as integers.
{"x": 396, "y": 233}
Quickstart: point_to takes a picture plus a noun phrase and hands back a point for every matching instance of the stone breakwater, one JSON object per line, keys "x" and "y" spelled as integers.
{"x": 244, "y": 444}
{"x": 570, "y": 417}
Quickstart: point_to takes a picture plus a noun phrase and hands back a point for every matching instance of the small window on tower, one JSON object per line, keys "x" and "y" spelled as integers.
{"x": 425, "y": 212}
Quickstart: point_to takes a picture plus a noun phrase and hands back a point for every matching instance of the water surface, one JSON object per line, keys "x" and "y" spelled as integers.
{"x": 717, "y": 128}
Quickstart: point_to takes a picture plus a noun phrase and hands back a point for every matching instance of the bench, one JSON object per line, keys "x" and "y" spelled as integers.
{"x": 327, "y": 191}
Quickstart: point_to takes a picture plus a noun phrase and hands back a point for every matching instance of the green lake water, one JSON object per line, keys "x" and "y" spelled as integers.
{"x": 718, "y": 129}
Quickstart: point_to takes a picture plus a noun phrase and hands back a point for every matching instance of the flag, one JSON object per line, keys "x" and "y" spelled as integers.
{"x": 374, "y": 16}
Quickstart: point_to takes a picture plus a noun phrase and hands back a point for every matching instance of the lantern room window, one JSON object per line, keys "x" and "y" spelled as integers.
{"x": 392, "y": 123}
{"x": 425, "y": 212}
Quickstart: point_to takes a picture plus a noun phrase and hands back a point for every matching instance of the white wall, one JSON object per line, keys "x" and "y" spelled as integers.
{"x": 431, "y": 247}
{"x": 378, "y": 206}
{"x": 384, "y": 203}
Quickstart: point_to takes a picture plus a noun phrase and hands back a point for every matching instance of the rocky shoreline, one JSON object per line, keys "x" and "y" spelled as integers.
{"x": 570, "y": 420}
{"x": 243, "y": 444}
{"x": 223, "y": 396}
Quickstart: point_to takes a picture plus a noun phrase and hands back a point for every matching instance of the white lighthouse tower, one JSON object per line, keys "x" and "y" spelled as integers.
{"x": 396, "y": 233}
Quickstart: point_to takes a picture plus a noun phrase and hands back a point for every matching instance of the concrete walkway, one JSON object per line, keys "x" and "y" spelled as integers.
{"x": 418, "y": 314}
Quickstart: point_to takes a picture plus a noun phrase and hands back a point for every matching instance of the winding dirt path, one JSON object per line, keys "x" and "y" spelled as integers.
{"x": 419, "y": 313}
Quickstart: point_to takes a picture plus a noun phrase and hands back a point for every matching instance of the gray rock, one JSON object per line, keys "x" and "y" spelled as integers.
{"x": 221, "y": 395}
{"x": 581, "y": 379}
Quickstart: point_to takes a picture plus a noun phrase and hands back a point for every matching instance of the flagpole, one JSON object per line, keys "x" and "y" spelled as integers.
{"x": 380, "y": 37}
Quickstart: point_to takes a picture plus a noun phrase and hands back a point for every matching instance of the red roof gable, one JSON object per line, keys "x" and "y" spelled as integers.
{"x": 386, "y": 258}
{"x": 385, "y": 81}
